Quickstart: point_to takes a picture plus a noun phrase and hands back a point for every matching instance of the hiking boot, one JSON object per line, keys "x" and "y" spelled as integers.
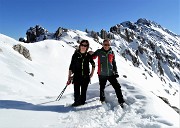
{"x": 83, "y": 103}
{"x": 121, "y": 104}
{"x": 75, "y": 104}
{"x": 102, "y": 101}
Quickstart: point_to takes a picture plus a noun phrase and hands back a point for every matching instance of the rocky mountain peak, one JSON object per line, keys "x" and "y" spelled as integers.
{"x": 144, "y": 43}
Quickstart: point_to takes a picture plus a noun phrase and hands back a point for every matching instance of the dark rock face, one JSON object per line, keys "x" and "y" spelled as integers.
{"x": 36, "y": 33}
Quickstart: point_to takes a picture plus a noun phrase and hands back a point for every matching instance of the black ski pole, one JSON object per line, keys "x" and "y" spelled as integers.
{"x": 60, "y": 95}
{"x": 68, "y": 83}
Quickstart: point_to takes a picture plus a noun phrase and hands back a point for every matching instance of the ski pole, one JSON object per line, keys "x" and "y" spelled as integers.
{"x": 60, "y": 95}
{"x": 68, "y": 83}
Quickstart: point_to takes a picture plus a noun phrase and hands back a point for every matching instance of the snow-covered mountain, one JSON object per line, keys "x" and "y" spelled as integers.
{"x": 148, "y": 63}
{"x": 151, "y": 46}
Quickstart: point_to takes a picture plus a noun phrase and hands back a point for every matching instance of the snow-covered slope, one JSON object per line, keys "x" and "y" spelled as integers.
{"x": 150, "y": 46}
{"x": 28, "y": 90}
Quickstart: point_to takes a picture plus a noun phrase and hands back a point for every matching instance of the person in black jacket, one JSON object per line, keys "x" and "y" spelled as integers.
{"x": 79, "y": 68}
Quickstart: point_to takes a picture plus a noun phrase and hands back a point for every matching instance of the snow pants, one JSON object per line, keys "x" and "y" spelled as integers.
{"x": 80, "y": 88}
{"x": 113, "y": 81}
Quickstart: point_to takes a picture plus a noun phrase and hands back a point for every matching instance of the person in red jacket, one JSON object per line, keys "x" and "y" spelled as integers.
{"x": 79, "y": 68}
{"x": 107, "y": 70}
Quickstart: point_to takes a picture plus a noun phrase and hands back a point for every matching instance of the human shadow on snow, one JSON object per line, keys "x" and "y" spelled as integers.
{"x": 22, "y": 105}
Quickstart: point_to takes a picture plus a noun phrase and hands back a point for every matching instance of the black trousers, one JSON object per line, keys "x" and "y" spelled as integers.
{"x": 114, "y": 83}
{"x": 80, "y": 88}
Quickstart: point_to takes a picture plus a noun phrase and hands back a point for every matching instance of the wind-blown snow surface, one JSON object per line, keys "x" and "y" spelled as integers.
{"x": 27, "y": 103}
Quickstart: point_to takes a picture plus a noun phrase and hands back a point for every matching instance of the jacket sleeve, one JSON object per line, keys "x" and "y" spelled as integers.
{"x": 72, "y": 63}
{"x": 114, "y": 64}
{"x": 92, "y": 61}
{"x": 95, "y": 54}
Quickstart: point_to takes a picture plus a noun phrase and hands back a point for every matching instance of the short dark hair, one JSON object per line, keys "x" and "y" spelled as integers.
{"x": 106, "y": 40}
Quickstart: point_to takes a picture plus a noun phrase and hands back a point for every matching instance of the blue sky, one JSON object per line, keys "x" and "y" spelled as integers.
{"x": 16, "y": 16}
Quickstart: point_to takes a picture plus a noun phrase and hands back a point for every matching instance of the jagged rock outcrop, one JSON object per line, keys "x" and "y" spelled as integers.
{"x": 22, "y": 40}
{"x": 103, "y": 34}
{"x": 110, "y": 35}
{"x": 126, "y": 33}
{"x": 106, "y": 35}
{"x": 143, "y": 21}
{"x": 94, "y": 35}
{"x": 59, "y": 32}
{"x": 36, "y": 33}
{"x": 116, "y": 29}
{"x": 22, "y": 50}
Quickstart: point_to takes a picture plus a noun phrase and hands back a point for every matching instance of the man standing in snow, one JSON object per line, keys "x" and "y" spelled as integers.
{"x": 107, "y": 70}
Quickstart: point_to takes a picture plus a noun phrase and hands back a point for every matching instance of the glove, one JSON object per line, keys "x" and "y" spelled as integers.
{"x": 69, "y": 81}
{"x": 116, "y": 74}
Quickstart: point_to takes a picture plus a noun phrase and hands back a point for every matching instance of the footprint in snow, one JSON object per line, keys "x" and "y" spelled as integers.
{"x": 128, "y": 86}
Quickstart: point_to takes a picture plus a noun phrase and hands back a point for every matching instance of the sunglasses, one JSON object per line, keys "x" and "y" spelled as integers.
{"x": 84, "y": 45}
{"x": 106, "y": 44}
